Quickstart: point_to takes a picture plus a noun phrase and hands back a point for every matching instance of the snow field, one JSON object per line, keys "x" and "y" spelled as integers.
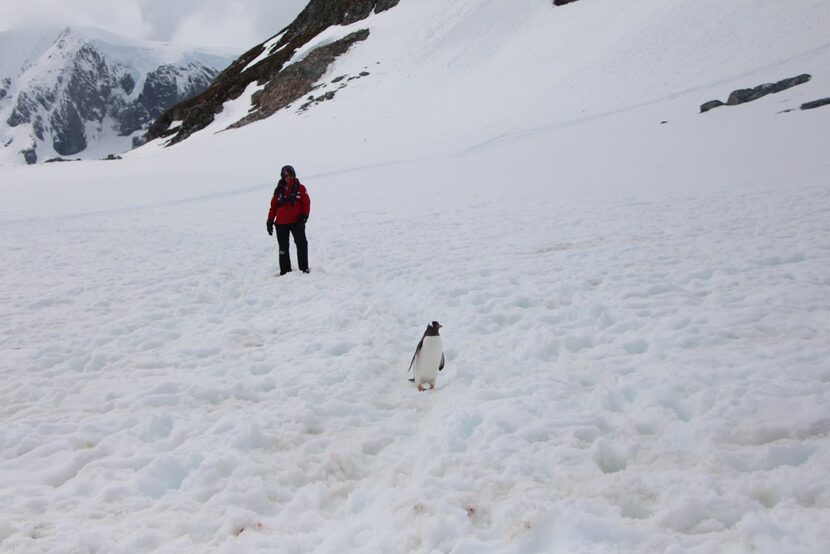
{"x": 621, "y": 377}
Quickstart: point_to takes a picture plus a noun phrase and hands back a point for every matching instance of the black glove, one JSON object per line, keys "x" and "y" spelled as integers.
{"x": 270, "y": 226}
{"x": 303, "y": 218}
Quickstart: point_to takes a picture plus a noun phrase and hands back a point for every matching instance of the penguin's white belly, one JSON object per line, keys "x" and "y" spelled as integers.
{"x": 428, "y": 360}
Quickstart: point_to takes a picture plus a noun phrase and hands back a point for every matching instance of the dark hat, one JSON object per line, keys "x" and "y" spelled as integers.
{"x": 288, "y": 169}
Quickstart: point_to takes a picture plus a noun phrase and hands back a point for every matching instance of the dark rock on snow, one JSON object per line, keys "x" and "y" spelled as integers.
{"x": 30, "y": 155}
{"x": 815, "y": 104}
{"x": 5, "y": 84}
{"x": 54, "y": 160}
{"x": 712, "y": 104}
{"x": 742, "y": 96}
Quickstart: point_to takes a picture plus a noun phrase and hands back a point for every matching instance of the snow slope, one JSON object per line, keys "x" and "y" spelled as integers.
{"x": 635, "y": 314}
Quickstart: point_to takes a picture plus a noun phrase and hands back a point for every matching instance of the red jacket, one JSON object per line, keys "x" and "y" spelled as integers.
{"x": 289, "y": 203}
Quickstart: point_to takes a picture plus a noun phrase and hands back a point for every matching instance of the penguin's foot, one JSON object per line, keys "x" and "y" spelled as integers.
{"x": 421, "y": 388}
{"x": 432, "y": 386}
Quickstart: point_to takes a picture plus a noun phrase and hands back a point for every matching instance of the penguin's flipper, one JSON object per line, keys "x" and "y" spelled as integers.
{"x": 417, "y": 349}
{"x": 440, "y": 367}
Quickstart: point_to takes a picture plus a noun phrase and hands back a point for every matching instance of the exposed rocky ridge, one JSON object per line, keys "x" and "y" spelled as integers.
{"x": 75, "y": 89}
{"x": 744, "y": 95}
{"x": 298, "y": 79}
{"x": 164, "y": 87}
{"x": 280, "y": 90}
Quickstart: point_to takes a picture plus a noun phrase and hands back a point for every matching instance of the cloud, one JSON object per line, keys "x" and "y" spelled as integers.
{"x": 238, "y": 24}
{"x": 227, "y": 26}
{"x": 124, "y": 18}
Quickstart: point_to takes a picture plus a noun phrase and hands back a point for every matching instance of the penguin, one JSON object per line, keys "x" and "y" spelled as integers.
{"x": 428, "y": 359}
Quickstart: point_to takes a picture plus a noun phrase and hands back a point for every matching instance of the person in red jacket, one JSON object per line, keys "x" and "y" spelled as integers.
{"x": 290, "y": 208}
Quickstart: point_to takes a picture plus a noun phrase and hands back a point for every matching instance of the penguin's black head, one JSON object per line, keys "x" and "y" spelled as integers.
{"x": 432, "y": 329}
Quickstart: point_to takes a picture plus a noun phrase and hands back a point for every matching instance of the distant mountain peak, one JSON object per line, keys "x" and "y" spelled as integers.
{"x": 85, "y": 91}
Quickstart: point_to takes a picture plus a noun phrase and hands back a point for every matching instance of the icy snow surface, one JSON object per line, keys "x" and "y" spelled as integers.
{"x": 635, "y": 314}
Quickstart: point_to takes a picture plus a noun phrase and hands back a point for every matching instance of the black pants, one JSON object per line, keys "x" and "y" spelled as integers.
{"x": 298, "y": 230}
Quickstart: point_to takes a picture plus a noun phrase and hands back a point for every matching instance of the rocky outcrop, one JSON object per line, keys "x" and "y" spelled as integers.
{"x": 90, "y": 84}
{"x": 342, "y": 82}
{"x": 30, "y": 155}
{"x": 710, "y": 105}
{"x": 69, "y": 134}
{"x": 164, "y": 87}
{"x": 322, "y": 14}
{"x": 282, "y": 85}
{"x": 5, "y": 84}
{"x": 815, "y": 104}
{"x": 742, "y": 96}
{"x": 298, "y": 79}
{"x": 562, "y": 2}
{"x": 59, "y": 160}
{"x": 28, "y": 105}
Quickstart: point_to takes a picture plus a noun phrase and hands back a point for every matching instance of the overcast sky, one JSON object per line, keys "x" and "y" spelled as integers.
{"x": 237, "y": 24}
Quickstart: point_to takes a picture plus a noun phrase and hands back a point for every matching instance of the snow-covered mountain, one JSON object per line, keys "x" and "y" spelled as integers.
{"x": 83, "y": 92}
{"x": 634, "y": 296}
{"x": 279, "y": 71}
